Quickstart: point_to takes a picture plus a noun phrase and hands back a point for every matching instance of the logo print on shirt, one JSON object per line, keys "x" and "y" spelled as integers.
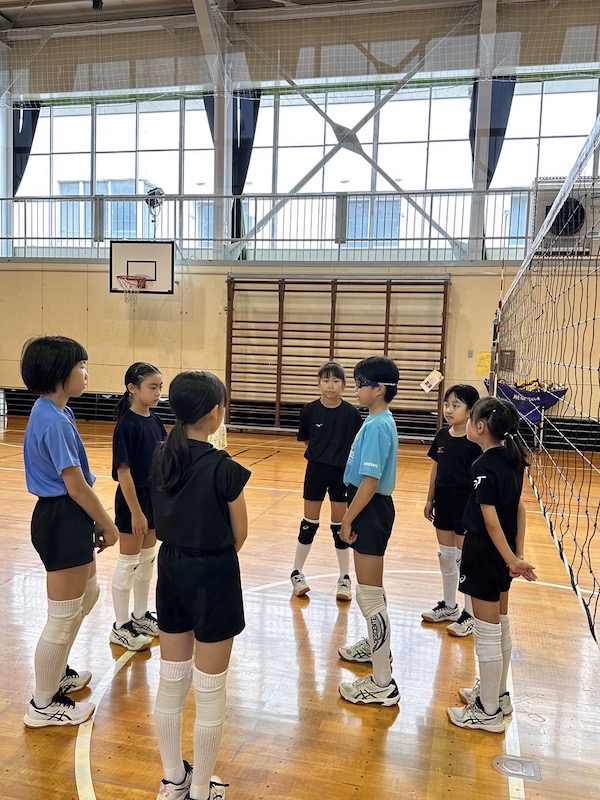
{"x": 477, "y": 481}
{"x": 440, "y": 450}
{"x": 318, "y": 424}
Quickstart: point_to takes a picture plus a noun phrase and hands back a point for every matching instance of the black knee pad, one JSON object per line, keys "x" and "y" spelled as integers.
{"x": 307, "y": 531}
{"x": 339, "y": 545}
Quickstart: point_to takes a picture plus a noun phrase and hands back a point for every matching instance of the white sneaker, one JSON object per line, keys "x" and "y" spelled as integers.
{"x": 146, "y": 625}
{"x": 360, "y": 652}
{"x": 299, "y": 585}
{"x": 474, "y": 717}
{"x": 463, "y": 625}
{"x": 344, "y": 588}
{"x": 504, "y": 701}
{"x": 365, "y": 691}
{"x": 217, "y": 788}
{"x": 441, "y": 613}
{"x": 73, "y": 681}
{"x": 176, "y": 791}
{"x": 128, "y": 637}
{"x": 61, "y": 711}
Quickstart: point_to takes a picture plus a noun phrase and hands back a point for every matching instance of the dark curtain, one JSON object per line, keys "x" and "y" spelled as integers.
{"x": 25, "y": 120}
{"x": 503, "y": 90}
{"x": 245, "y": 105}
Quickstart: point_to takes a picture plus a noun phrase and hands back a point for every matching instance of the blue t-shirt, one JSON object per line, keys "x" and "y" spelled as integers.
{"x": 374, "y": 453}
{"x": 52, "y": 444}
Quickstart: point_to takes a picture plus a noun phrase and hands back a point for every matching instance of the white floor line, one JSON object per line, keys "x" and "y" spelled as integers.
{"x": 83, "y": 769}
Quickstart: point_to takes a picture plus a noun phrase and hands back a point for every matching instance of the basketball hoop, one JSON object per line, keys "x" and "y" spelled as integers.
{"x": 131, "y": 285}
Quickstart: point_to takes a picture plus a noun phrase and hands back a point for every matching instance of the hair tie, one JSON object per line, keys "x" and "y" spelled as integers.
{"x": 508, "y": 435}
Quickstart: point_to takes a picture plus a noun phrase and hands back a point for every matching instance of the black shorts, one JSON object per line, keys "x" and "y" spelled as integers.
{"x": 199, "y": 591}
{"x": 323, "y": 478}
{"x": 123, "y": 514}
{"x": 62, "y": 533}
{"x": 483, "y": 573}
{"x": 449, "y": 506}
{"x": 373, "y": 525}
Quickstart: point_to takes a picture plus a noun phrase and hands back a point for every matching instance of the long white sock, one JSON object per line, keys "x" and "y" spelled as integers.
{"x": 302, "y": 551}
{"x": 506, "y": 645}
{"x": 343, "y": 557}
{"x": 372, "y": 603}
{"x": 64, "y": 619}
{"x": 489, "y": 655}
{"x": 173, "y": 688}
{"x": 141, "y": 581}
{"x": 211, "y": 697}
{"x": 468, "y": 604}
{"x": 90, "y": 598}
{"x": 122, "y": 583}
{"x": 449, "y": 570}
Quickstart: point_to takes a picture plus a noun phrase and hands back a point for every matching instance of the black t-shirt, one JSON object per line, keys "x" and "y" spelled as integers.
{"x": 328, "y": 431}
{"x": 195, "y": 514}
{"x": 495, "y": 483}
{"x": 454, "y": 456}
{"x": 134, "y": 442}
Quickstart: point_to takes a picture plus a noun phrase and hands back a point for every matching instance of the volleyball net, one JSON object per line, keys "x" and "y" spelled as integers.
{"x": 548, "y": 354}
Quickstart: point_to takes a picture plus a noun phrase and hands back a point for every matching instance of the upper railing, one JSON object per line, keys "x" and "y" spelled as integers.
{"x": 419, "y": 227}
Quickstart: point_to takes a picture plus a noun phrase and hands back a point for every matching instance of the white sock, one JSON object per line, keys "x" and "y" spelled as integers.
{"x": 90, "y": 597}
{"x": 141, "y": 582}
{"x": 506, "y": 646}
{"x": 173, "y": 688}
{"x": 123, "y": 579}
{"x": 489, "y": 656}
{"x": 343, "y": 557}
{"x": 302, "y": 551}
{"x": 211, "y": 697}
{"x": 372, "y": 603}
{"x": 449, "y": 570}
{"x": 52, "y": 651}
{"x": 468, "y": 604}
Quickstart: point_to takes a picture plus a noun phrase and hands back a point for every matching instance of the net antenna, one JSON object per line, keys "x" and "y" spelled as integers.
{"x": 154, "y": 201}
{"x": 131, "y": 285}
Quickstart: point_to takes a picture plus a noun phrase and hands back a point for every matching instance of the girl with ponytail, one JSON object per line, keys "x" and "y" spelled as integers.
{"x": 492, "y": 556}
{"x": 137, "y": 432}
{"x": 201, "y": 520}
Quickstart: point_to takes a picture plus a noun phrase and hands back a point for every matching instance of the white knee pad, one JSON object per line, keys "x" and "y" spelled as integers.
{"x": 125, "y": 572}
{"x": 487, "y": 640}
{"x": 174, "y": 686}
{"x": 371, "y": 600}
{"x": 147, "y": 558}
{"x": 64, "y": 618}
{"x": 92, "y": 593}
{"x": 448, "y": 559}
{"x": 211, "y": 697}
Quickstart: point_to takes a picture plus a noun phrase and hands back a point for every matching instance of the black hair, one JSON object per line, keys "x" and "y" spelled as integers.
{"x": 332, "y": 370}
{"x": 464, "y": 394}
{"x": 135, "y": 374}
{"x": 192, "y": 395}
{"x": 381, "y": 369}
{"x": 47, "y": 362}
{"x": 502, "y": 419}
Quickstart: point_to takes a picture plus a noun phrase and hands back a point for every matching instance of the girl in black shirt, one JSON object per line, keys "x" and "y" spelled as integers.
{"x": 492, "y": 555}
{"x": 200, "y": 515}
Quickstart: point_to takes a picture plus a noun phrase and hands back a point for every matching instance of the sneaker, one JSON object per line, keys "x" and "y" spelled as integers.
{"x": 73, "y": 681}
{"x": 217, "y": 788}
{"x": 299, "y": 585}
{"x": 359, "y": 652}
{"x": 441, "y": 613}
{"x": 344, "y": 588}
{"x": 176, "y": 791}
{"x": 61, "y": 711}
{"x": 463, "y": 625}
{"x": 468, "y": 695}
{"x": 128, "y": 637}
{"x": 366, "y": 692}
{"x": 146, "y": 625}
{"x": 474, "y": 717}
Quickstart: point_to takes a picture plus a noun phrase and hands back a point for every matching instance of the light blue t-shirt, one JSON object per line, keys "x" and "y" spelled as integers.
{"x": 374, "y": 453}
{"x": 52, "y": 443}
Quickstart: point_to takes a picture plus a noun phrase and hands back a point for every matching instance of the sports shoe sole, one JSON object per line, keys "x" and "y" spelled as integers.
{"x": 69, "y": 688}
{"x": 34, "y": 723}
{"x": 343, "y": 596}
{"x": 301, "y": 592}
{"x": 498, "y": 728}
{"x": 143, "y": 646}
{"x": 453, "y": 632}
{"x": 449, "y": 618}
{"x": 386, "y": 702}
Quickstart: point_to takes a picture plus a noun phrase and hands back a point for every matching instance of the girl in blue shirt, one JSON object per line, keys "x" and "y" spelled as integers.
{"x": 62, "y": 525}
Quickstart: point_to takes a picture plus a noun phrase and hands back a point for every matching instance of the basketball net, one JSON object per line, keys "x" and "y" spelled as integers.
{"x": 131, "y": 285}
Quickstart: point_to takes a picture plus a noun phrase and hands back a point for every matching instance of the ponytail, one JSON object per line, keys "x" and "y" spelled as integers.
{"x": 135, "y": 374}
{"x": 502, "y": 420}
{"x": 171, "y": 459}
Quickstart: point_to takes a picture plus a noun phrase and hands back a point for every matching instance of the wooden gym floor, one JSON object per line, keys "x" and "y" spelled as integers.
{"x": 288, "y": 735}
